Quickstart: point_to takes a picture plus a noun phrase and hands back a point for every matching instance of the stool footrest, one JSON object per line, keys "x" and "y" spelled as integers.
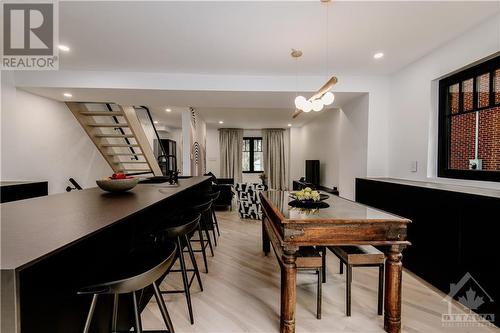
{"x": 191, "y": 279}
{"x": 144, "y": 331}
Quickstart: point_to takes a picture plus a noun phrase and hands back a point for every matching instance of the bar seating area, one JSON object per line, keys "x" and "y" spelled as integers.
{"x": 175, "y": 236}
{"x": 249, "y": 166}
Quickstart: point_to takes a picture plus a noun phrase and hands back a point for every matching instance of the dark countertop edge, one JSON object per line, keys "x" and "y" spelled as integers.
{"x": 457, "y": 188}
{"x": 6, "y": 183}
{"x": 48, "y": 254}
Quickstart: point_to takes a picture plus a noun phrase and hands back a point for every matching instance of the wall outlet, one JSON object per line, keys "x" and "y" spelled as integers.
{"x": 413, "y": 166}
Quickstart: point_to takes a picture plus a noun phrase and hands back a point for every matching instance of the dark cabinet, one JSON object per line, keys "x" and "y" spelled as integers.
{"x": 452, "y": 233}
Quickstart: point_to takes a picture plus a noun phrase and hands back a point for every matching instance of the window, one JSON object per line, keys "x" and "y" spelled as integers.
{"x": 469, "y": 123}
{"x": 252, "y": 155}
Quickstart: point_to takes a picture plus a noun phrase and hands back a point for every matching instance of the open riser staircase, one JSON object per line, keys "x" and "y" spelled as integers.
{"x": 118, "y": 135}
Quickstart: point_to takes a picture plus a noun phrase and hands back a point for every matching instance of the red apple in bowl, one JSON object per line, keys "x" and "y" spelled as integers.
{"x": 118, "y": 182}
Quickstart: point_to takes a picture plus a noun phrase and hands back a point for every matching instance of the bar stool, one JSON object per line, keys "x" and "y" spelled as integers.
{"x": 204, "y": 210}
{"x": 179, "y": 229}
{"x": 142, "y": 269}
{"x": 360, "y": 256}
{"x": 214, "y": 224}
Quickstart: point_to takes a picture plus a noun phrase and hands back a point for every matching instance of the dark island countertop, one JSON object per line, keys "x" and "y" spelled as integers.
{"x": 33, "y": 229}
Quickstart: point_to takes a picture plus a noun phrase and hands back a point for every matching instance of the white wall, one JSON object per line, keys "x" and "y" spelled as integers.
{"x": 413, "y": 105}
{"x": 213, "y": 153}
{"x": 319, "y": 140}
{"x": 41, "y": 140}
{"x": 338, "y": 138}
{"x": 353, "y": 144}
{"x": 376, "y": 86}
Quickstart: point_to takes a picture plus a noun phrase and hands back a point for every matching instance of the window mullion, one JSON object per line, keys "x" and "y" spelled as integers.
{"x": 475, "y": 94}
{"x": 492, "y": 92}
{"x": 251, "y": 155}
{"x": 460, "y": 97}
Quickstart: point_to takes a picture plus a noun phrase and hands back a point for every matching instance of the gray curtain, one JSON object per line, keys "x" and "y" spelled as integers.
{"x": 231, "y": 146}
{"x": 275, "y": 163}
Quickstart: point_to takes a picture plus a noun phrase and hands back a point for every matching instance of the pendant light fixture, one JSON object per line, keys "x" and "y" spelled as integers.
{"x": 323, "y": 96}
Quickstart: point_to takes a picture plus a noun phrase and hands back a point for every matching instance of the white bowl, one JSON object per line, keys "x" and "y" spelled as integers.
{"x": 117, "y": 185}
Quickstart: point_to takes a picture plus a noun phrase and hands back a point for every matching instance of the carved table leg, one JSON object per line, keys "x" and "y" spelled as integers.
{"x": 266, "y": 244}
{"x": 393, "y": 273}
{"x": 288, "y": 292}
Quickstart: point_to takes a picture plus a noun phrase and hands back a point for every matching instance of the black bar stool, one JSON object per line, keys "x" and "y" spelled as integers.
{"x": 214, "y": 224}
{"x": 141, "y": 269}
{"x": 204, "y": 210}
{"x": 179, "y": 229}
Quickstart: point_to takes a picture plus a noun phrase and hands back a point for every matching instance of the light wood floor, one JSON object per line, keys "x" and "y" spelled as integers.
{"x": 241, "y": 294}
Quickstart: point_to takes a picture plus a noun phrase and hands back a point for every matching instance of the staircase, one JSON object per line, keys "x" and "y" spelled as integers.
{"x": 118, "y": 135}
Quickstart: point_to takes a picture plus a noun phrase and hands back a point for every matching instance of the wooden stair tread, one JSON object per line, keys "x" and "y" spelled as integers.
{"x": 358, "y": 255}
{"x": 107, "y": 125}
{"x": 105, "y": 145}
{"x": 114, "y": 135}
{"x": 124, "y": 154}
{"x": 102, "y": 113}
{"x": 118, "y": 145}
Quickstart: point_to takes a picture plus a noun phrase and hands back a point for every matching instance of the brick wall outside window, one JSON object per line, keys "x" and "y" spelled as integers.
{"x": 463, "y": 126}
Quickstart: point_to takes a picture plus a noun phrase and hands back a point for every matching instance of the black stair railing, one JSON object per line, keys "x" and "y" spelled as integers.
{"x": 164, "y": 160}
{"x": 135, "y": 157}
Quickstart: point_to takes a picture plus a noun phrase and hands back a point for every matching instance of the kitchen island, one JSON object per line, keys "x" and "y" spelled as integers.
{"x": 53, "y": 245}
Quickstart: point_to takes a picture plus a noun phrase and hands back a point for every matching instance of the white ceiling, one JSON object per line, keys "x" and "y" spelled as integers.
{"x": 247, "y": 37}
{"x": 251, "y": 110}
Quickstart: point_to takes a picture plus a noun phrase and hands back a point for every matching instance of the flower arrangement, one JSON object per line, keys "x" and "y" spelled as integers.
{"x": 306, "y": 194}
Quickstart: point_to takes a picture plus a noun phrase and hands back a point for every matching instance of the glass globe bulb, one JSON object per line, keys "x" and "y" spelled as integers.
{"x": 317, "y": 105}
{"x": 307, "y": 107}
{"x": 328, "y": 98}
{"x": 300, "y": 101}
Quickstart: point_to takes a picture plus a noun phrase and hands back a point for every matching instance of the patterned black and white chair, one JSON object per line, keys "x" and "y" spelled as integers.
{"x": 249, "y": 200}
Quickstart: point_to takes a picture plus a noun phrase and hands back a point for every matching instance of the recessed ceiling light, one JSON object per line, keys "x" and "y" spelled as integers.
{"x": 168, "y": 110}
{"x": 63, "y": 48}
{"x": 289, "y": 125}
{"x": 156, "y": 122}
{"x": 221, "y": 122}
{"x": 378, "y": 55}
{"x": 67, "y": 95}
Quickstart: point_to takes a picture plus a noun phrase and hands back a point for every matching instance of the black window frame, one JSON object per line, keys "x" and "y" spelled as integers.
{"x": 444, "y": 125}
{"x": 252, "y": 143}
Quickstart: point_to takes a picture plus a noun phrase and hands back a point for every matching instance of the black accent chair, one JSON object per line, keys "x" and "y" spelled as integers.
{"x": 225, "y": 186}
{"x": 141, "y": 269}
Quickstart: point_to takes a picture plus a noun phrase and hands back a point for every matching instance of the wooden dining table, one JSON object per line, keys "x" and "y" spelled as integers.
{"x": 343, "y": 222}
